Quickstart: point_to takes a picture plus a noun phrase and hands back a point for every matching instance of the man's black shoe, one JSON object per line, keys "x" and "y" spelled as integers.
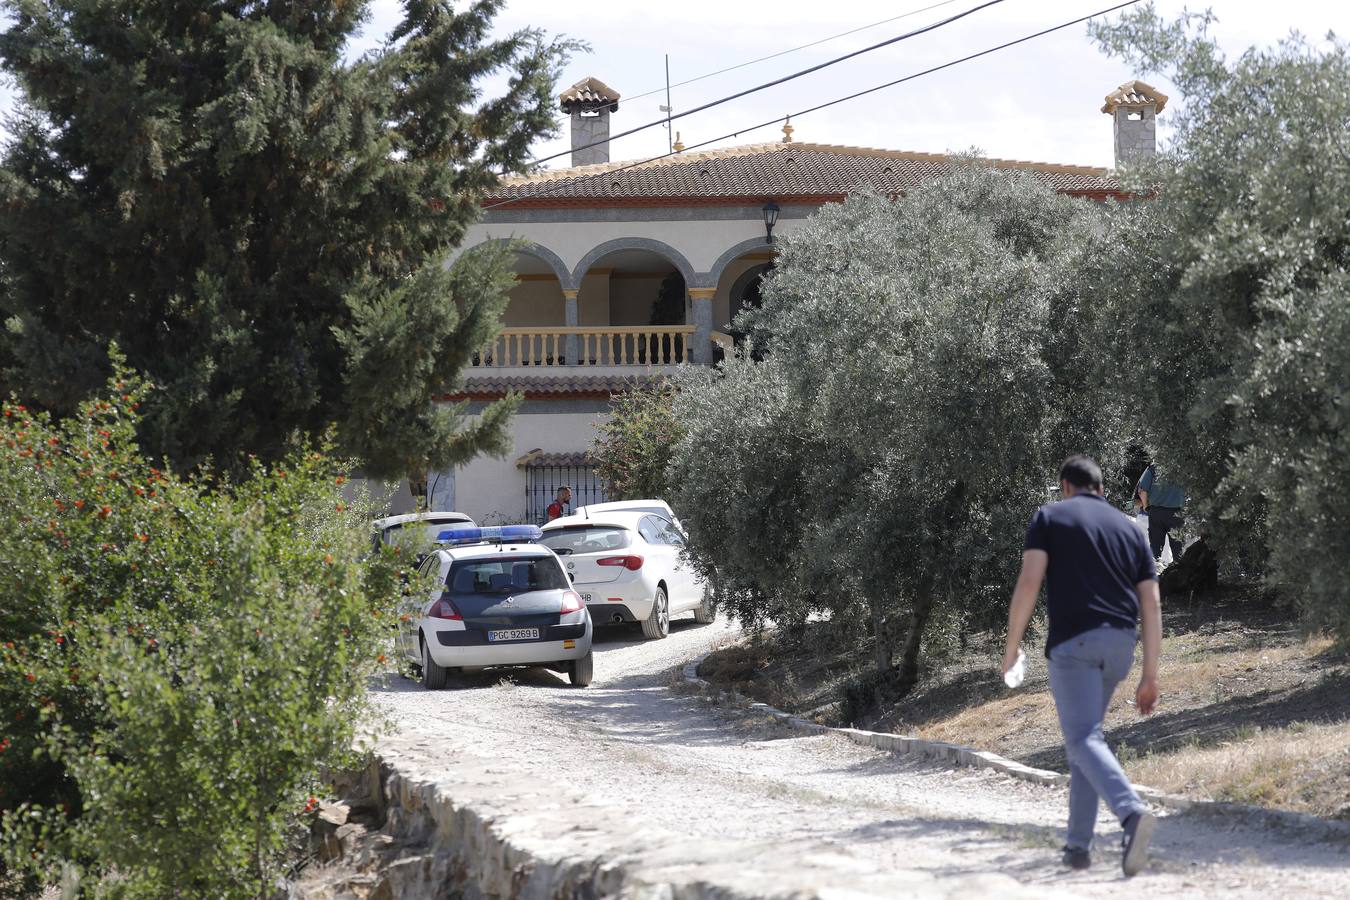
{"x": 1138, "y": 833}
{"x": 1077, "y": 857}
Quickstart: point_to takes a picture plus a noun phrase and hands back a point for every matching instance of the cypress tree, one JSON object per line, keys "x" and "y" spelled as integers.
{"x": 258, "y": 222}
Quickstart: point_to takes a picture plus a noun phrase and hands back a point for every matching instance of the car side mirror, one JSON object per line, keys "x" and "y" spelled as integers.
{"x": 571, "y": 576}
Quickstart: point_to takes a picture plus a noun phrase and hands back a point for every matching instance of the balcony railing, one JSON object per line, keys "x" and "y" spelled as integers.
{"x": 605, "y": 345}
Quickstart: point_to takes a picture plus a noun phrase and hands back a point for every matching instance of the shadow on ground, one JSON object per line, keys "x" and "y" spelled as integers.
{"x": 606, "y": 639}
{"x": 1322, "y": 702}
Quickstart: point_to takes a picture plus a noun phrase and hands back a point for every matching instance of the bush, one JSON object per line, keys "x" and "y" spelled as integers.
{"x": 634, "y": 445}
{"x": 921, "y": 368}
{"x": 180, "y": 656}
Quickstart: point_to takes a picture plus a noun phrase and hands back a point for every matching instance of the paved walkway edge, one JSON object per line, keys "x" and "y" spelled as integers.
{"x": 968, "y": 756}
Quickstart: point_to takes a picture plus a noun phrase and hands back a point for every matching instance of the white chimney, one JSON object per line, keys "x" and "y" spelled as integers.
{"x": 1135, "y": 106}
{"x": 589, "y": 102}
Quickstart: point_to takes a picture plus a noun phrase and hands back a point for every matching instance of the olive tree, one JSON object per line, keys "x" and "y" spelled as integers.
{"x": 1243, "y": 313}
{"x": 633, "y": 446}
{"x": 922, "y": 365}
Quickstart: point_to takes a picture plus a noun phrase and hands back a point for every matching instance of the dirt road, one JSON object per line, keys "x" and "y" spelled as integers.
{"x": 687, "y": 792}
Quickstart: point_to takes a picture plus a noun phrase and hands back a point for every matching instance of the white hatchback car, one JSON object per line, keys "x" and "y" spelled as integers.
{"x": 660, "y": 507}
{"x": 497, "y": 600}
{"x": 630, "y": 567}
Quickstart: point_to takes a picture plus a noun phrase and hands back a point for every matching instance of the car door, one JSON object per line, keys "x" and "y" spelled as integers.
{"x": 666, "y": 558}
{"x": 691, "y": 588}
{"x": 410, "y": 611}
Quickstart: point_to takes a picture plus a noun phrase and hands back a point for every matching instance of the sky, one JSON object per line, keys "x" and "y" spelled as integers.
{"x": 1038, "y": 101}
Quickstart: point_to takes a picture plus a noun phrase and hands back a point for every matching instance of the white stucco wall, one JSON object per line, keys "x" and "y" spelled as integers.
{"x": 494, "y": 489}
{"x": 535, "y": 303}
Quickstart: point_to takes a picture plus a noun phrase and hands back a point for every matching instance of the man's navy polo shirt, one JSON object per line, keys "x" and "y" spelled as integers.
{"x": 1097, "y": 556}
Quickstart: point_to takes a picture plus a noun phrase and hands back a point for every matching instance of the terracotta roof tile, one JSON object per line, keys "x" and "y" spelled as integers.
{"x": 538, "y": 458}
{"x": 774, "y": 169}
{"x": 1135, "y": 95}
{"x": 589, "y": 93}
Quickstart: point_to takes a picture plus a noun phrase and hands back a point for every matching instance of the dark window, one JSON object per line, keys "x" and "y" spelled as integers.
{"x": 542, "y": 483}
{"x": 506, "y": 575}
{"x": 586, "y": 539}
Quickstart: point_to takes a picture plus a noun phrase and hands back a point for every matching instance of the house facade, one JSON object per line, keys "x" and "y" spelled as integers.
{"x": 625, "y": 272}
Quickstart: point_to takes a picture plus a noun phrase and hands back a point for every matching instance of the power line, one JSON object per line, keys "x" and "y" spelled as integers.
{"x": 572, "y": 182}
{"x": 776, "y": 81}
{"x": 824, "y": 40}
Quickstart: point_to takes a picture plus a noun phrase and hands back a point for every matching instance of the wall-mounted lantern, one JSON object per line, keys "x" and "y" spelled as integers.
{"x": 770, "y": 211}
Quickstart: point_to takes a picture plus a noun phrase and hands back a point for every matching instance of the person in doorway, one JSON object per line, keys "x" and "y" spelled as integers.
{"x": 1162, "y": 503}
{"x": 1100, "y": 581}
{"x": 561, "y": 500}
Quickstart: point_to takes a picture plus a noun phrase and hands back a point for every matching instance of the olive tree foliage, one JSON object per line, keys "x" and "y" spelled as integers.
{"x": 1242, "y": 313}
{"x": 259, "y": 221}
{"x": 923, "y": 365}
{"x": 632, "y": 449}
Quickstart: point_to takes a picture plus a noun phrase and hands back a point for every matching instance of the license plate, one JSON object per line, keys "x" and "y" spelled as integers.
{"x": 514, "y": 634}
{"x": 585, "y": 598}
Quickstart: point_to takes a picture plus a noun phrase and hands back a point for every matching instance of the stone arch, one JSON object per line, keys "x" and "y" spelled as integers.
{"x": 538, "y": 251}
{"x": 713, "y": 276}
{"x": 675, "y": 257}
{"x": 736, "y": 294}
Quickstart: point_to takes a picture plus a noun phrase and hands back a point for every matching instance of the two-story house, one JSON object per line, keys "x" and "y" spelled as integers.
{"x": 627, "y": 271}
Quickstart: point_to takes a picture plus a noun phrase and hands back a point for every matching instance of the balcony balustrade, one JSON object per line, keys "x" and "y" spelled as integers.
{"x": 603, "y": 345}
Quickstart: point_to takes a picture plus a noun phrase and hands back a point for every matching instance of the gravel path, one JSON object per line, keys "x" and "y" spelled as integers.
{"x": 690, "y": 792}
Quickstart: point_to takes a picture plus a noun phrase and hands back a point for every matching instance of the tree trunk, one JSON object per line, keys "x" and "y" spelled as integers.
{"x": 883, "y": 645}
{"x": 907, "y": 674}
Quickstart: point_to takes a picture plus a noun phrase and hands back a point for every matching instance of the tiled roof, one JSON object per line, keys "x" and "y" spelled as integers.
{"x": 777, "y": 169}
{"x": 1134, "y": 95}
{"x": 538, "y": 458}
{"x": 589, "y": 93}
{"x": 560, "y": 383}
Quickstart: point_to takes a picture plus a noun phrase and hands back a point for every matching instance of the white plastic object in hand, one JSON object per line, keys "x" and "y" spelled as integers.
{"x": 1013, "y": 677}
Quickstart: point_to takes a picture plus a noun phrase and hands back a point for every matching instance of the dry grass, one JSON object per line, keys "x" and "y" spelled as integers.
{"x": 1251, "y": 711}
{"x": 997, "y": 723}
{"x": 1305, "y": 768}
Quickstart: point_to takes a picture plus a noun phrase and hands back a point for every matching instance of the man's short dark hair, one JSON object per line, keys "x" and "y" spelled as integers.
{"x": 1081, "y": 471}
{"x": 565, "y": 487}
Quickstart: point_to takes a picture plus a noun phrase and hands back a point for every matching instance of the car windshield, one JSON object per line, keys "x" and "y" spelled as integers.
{"x": 506, "y": 575}
{"x": 423, "y": 531}
{"x": 586, "y": 539}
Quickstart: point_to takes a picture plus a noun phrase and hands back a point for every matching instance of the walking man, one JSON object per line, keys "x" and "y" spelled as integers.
{"x": 1100, "y": 580}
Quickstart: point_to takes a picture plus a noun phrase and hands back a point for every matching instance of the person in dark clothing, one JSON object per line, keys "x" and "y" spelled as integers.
{"x": 1100, "y": 581}
{"x": 1162, "y": 503}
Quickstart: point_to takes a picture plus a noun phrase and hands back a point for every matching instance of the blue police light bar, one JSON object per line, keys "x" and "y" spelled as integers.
{"x": 490, "y": 534}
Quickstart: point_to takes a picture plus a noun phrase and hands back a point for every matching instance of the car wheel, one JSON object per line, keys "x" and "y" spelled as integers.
{"x": 579, "y": 671}
{"x": 706, "y": 611}
{"x": 433, "y": 675}
{"x": 657, "y": 624}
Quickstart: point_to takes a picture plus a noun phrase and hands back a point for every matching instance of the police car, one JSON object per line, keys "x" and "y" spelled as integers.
{"x": 498, "y": 600}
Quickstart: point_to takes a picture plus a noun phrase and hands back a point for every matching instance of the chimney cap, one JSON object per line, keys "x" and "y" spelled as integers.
{"x": 1135, "y": 94}
{"x": 589, "y": 94}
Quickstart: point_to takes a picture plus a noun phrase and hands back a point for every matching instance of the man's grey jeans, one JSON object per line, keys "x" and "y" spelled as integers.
{"x": 1084, "y": 672}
